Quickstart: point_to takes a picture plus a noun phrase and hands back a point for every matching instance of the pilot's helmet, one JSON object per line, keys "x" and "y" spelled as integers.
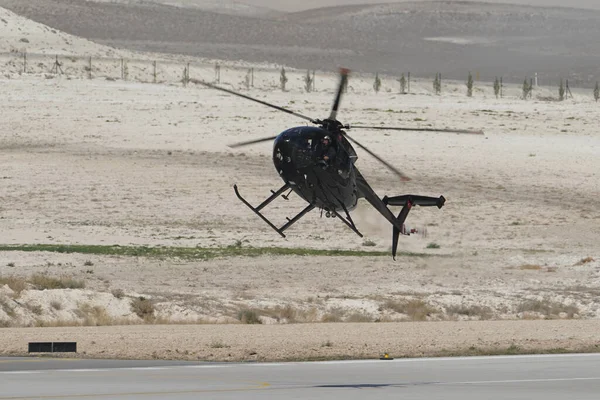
{"x": 327, "y": 138}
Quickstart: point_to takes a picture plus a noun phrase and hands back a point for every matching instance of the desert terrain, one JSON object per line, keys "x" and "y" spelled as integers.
{"x": 136, "y": 178}
{"x": 422, "y": 37}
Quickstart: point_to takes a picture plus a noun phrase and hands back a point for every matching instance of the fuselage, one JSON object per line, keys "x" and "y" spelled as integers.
{"x": 297, "y": 155}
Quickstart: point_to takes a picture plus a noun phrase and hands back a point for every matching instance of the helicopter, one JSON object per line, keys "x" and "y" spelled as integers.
{"x": 318, "y": 163}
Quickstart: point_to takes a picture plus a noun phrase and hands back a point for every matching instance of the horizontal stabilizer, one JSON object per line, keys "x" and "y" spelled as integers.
{"x": 422, "y": 201}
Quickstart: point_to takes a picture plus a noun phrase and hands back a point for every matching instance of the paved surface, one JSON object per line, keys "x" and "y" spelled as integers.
{"x": 492, "y": 378}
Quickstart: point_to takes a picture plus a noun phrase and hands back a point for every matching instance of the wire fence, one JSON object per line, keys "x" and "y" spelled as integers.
{"x": 151, "y": 71}
{"x": 240, "y": 77}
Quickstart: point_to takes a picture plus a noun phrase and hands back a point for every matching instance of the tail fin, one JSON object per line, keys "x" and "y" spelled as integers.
{"x": 395, "y": 237}
{"x": 396, "y": 232}
{"x": 406, "y": 202}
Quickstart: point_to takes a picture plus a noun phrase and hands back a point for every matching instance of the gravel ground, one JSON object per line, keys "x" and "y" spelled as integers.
{"x": 313, "y": 341}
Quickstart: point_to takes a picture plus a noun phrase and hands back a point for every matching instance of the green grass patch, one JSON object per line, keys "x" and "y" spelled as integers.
{"x": 198, "y": 253}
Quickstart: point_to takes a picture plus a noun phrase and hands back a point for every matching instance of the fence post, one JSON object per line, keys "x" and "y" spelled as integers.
{"x": 57, "y": 66}
{"x": 122, "y": 70}
{"x": 531, "y": 88}
{"x": 25, "y": 61}
{"x": 154, "y": 72}
{"x": 90, "y": 69}
{"x": 569, "y": 90}
{"x": 252, "y": 70}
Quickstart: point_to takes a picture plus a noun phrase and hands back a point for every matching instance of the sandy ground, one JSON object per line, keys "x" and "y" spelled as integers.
{"x": 96, "y": 162}
{"x": 113, "y": 162}
{"x": 314, "y": 341}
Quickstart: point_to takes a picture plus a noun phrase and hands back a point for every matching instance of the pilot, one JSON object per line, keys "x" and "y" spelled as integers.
{"x": 327, "y": 151}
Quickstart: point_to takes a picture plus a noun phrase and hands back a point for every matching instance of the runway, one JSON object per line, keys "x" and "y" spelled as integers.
{"x": 551, "y": 377}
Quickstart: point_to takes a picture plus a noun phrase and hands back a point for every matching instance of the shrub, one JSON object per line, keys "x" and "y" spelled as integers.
{"x": 470, "y": 85}
{"x": 309, "y": 82}
{"x": 249, "y": 317}
{"x": 288, "y": 312}
{"x": 94, "y": 315}
{"x": 497, "y": 87}
{"x": 359, "y": 317}
{"x": 17, "y": 285}
{"x": 561, "y": 91}
{"x": 548, "y": 308}
{"x": 283, "y": 80}
{"x": 35, "y": 309}
{"x": 334, "y": 315}
{"x": 530, "y": 267}
{"x": 470, "y": 311}
{"x": 142, "y": 307}
{"x": 584, "y": 261}
{"x": 218, "y": 344}
{"x": 416, "y": 309}
{"x": 437, "y": 84}
{"x": 402, "y": 81}
{"x": 377, "y": 83}
{"x": 527, "y": 89}
{"x": 42, "y": 282}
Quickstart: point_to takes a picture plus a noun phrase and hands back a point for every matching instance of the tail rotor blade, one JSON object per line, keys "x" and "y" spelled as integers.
{"x": 242, "y": 144}
{"x": 402, "y": 176}
{"x": 285, "y": 110}
{"x": 343, "y": 81}
{"x": 391, "y": 128}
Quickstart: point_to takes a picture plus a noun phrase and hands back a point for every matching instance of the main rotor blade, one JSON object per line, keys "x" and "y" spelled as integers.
{"x": 241, "y": 144}
{"x": 402, "y": 176}
{"x": 285, "y": 110}
{"x": 343, "y": 81}
{"x": 391, "y": 128}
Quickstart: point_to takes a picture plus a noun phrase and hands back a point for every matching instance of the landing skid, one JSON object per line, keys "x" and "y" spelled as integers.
{"x": 262, "y": 205}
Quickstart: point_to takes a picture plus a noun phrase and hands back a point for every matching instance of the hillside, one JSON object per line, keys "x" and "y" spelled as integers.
{"x": 218, "y": 6}
{"x": 18, "y": 33}
{"x": 424, "y": 38}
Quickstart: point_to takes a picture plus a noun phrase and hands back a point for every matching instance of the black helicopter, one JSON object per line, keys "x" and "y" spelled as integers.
{"x": 318, "y": 164}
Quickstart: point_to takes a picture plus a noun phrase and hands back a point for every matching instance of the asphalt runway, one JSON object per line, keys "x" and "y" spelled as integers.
{"x": 551, "y": 377}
